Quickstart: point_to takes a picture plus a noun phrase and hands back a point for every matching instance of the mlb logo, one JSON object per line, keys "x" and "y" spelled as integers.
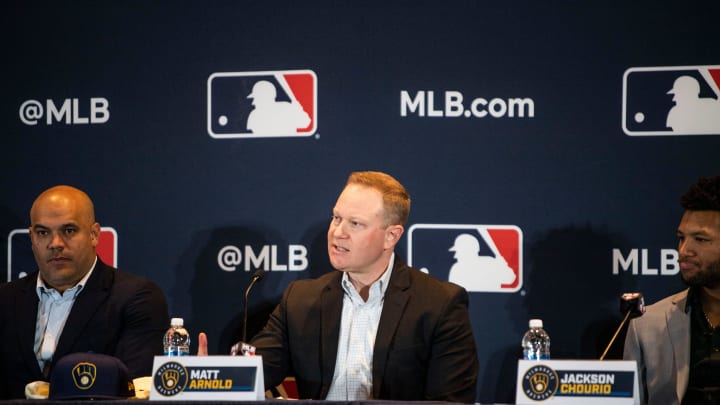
{"x": 21, "y": 261}
{"x": 481, "y": 258}
{"x": 675, "y": 100}
{"x": 281, "y": 103}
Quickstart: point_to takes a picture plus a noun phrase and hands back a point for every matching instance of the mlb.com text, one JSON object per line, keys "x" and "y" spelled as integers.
{"x": 451, "y": 104}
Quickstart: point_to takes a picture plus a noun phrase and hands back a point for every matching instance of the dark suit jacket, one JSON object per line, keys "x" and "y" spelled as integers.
{"x": 116, "y": 313}
{"x": 424, "y": 348}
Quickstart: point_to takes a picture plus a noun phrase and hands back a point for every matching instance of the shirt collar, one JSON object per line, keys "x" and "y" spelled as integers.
{"x": 693, "y": 299}
{"x": 382, "y": 281}
{"x": 42, "y": 287}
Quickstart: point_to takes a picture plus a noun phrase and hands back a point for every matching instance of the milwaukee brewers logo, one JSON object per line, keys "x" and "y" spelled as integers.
{"x": 170, "y": 379}
{"x": 540, "y": 383}
{"x": 83, "y": 374}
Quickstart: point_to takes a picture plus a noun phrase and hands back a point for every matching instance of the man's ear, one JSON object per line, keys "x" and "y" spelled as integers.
{"x": 95, "y": 233}
{"x": 392, "y": 235}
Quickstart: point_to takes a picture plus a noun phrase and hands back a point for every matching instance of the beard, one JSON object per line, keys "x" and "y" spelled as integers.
{"x": 708, "y": 277}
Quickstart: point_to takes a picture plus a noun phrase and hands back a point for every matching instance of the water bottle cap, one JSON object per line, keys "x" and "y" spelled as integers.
{"x": 177, "y": 322}
{"x": 536, "y": 323}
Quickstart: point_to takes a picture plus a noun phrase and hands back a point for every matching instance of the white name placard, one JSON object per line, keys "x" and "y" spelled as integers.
{"x": 608, "y": 382}
{"x": 207, "y": 378}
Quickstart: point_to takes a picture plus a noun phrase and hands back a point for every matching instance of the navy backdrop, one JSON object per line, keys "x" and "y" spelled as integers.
{"x": 538, "y": 128}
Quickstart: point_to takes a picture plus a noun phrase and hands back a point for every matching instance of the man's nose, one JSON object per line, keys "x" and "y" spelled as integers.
{"x": 684, "y": 247}
{"x": 56, "y": 241}
{"x": 338, "y": 229}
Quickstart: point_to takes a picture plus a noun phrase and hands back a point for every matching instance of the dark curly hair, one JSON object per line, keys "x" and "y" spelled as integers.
{"x": 704, "y": 195}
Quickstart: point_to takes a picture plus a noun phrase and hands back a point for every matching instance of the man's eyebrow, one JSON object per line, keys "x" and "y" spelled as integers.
{"x": 694, "y": 233}
{"x": 66, "y": 225}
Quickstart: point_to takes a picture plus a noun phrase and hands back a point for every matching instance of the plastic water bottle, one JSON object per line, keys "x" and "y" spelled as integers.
{"x": 177, "y": 339}
{"x": 536, "y": 342}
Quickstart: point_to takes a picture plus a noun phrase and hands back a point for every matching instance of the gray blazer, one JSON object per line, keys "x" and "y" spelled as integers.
{"x": 660, "y": 343}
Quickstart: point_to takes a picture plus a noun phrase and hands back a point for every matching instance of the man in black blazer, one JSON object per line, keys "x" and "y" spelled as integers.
{"x": 375, "y": 329}
{"x": 424, "y": 348}
{"x": 108, "y": 311}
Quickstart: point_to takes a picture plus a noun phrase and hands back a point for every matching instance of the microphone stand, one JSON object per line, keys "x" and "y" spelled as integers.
{"x": 617, "y": 332}
{"x": 634, "y": 305}
{"x": 240, "y": 347}
{"x": 255, "y": 278}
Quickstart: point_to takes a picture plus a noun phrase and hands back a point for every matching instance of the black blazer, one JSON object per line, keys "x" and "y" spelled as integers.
{"x": 116, "y": 313}
{"x": 424, "y": 348}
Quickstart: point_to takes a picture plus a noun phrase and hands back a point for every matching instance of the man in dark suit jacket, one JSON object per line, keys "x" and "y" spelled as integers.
{"x": 113, "y": 312}
{"x": 424, "y": 348}
{"x": 415, "y": 341}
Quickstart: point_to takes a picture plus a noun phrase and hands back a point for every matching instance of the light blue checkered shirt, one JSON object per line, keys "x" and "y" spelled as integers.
{"x": 353, "y": 367}
{"x": 53, "y": 311}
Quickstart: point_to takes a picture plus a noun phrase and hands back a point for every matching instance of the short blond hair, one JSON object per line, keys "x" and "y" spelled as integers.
{"x": 396, "y": 200}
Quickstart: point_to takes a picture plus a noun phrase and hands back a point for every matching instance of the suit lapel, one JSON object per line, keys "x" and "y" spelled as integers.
{"x": 396, "y": 297}
{"x": 331, "y": 301}
{"x": 678, "y": 324}
{"x": 96, "y": 290}
{"x": 26, "y": 320}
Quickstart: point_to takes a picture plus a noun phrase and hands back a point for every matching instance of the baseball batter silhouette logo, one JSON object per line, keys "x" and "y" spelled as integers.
{"x": 262, "y": 104}
{"x": 676, "y": 100}
{"x": 481, "y": 258}
{"x": 272, "y": 117}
